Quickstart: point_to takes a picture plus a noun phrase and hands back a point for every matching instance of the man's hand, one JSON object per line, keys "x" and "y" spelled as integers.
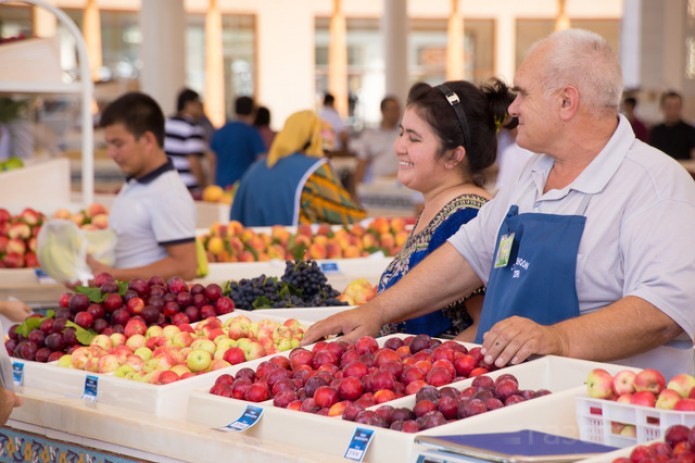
{"x": 355, "y": 323}
{"x": 97, "y": 267}
{"x": 8, "y": 400}
{"x": 514, "y": 339}
{"x": 15, "y": 310}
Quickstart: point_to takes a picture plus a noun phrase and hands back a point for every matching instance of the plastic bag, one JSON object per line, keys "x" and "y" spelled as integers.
{"x": 63, "y": 247}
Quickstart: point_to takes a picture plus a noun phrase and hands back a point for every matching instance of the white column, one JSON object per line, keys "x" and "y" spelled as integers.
{"x": 337, "y": 59}
{"x": 44, "y": 23}
{"x": 286, "y": 81}
{"x": 394, "y": 30}
{"x": 163, "y": 50}
{"x": 562, "y": 21}
{"x": 91, "y": 29}
{"x": 214, "y": 62}
{"x": 505, "y": 47}
{"x": 454, "y": 48}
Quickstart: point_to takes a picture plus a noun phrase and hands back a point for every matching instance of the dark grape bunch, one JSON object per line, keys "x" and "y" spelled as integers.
{"x": 303, "y": 284}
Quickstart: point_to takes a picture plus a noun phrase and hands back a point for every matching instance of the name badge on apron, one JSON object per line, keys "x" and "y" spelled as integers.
{"x": 504, "y": 250}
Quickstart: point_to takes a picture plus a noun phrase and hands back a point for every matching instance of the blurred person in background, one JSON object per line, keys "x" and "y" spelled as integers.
{"x": 329, "y": 114}
{"x": 262, "y": 124}
{"x": 673, "y": 136}
{"x": 237, "y": 144}
{"x": 374, "y": 147}
{"x": 184, "y": 140}
{"x": 295, "y": 183}
{"x": 641, "y": 131}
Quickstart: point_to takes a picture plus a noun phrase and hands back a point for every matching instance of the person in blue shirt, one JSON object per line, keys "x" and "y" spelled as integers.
{"x": 237, "y": 144}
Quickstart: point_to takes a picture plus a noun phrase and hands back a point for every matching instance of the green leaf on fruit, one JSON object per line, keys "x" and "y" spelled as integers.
{"x": 94, "y": 294}
{"x": 122, "y": 287}
{"x": 285, "y": 292}
{"x": 28, "y": 325}
{"x": 299, "y": 251}
{"x": 84, "y": 337}
{"x": 50, "y": 313}
{"x": 226, "y": 288}
{"x": 262, "y": 302}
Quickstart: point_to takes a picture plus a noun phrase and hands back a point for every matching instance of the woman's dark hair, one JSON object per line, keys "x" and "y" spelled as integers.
{"x": 138, "y": 113}
{"x": 485, "y": 109}
{"x": 262, "y": 117}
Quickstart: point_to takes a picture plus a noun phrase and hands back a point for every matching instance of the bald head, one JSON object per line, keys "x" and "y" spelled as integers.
{"x": 584, "y": 60}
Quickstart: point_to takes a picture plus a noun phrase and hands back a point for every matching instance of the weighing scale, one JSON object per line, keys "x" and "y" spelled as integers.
{"x": 525, "y": 446}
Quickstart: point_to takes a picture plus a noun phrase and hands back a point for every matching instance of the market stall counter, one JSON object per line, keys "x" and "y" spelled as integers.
{"x": 66, "y": 429}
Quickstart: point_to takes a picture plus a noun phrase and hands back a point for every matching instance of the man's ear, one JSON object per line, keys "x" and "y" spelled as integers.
{"x": 150, "y": 139}
{"x": 569, "y": 102}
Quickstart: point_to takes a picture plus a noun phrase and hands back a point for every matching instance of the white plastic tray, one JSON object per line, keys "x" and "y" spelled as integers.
{"x": 332, "y": 435}
{"x": 167, "y": 400}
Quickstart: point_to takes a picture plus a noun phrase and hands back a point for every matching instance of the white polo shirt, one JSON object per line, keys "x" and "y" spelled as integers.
{"x": 638, "y": 239}
{"x": 376, "y": 145}
{"x": 150, "y": 213}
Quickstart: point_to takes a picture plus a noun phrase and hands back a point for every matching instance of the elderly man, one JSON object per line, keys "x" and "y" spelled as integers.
{"x": 589, "y": 253}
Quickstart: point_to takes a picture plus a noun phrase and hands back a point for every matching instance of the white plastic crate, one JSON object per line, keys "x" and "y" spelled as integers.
{"x": 595, "y": 418}
{"x": 167, "y": 400}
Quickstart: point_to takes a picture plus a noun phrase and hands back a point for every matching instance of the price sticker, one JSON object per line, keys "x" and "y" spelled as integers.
{"x": 18, "y": 373}
{"x": 329, "y": 267}
{"x": 359, "y": 443}
{"x": 91, "y": 388}
{"x": 249, "y": 418}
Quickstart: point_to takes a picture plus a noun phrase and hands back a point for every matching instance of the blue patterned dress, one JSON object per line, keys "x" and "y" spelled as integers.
{"x": 454, "y": 318}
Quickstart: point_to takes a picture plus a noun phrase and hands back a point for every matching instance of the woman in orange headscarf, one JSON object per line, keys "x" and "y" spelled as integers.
{"x": 295, "y": 183}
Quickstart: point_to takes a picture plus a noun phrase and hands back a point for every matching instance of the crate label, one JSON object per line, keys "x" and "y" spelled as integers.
{"x": 43, "y": 277}
{"x": 329, "y": 267}
{"x": 91, "y": 388}
{"x": 17, "y": 373}
{"x": 249, "y": 418}
{"x": 359, "y": 443}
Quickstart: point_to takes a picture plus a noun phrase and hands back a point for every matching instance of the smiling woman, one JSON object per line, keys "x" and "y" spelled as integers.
{"x": 447, "y": 139}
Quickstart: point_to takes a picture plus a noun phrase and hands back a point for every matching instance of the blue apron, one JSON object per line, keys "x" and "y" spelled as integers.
{"x": 539, "y": 279}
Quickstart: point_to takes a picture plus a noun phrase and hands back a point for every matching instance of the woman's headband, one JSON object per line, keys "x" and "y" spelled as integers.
{"x": 455, "y": 103}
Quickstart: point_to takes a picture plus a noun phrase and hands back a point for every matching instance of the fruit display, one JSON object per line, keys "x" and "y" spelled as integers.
{"x": 358, "y": 292}
{"x": 93, "y": 217}
{"x": 18, "y": 238}
{"x": 231, "y": 242}
{"x": 678, "y": 446}
{"x": 647, "y": 388}
{"x": 216, "y": 194}
{"x": 435, "y": 407}
{"x": 335, "y": 378}
{"x": 303, "y": 284}
{"x": 162, "y": 355}
{"x": 106, "y": 306}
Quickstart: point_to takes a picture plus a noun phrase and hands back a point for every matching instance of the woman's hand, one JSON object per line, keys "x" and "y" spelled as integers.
{"x": 15, "y": 310}
{"x": 353, "y": 324}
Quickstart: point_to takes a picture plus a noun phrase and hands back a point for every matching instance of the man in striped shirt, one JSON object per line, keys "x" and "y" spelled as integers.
{"x": 184, "y": 141}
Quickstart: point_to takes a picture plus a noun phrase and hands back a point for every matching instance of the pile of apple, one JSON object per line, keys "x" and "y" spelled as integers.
{"x": 435, "y": 407}
{"x": 678, "y": 447}
{"x": 232, "y": 242}
{"x": 159, "y": 355}
{"x": 358, "y": 292}
{"x": 93, "y": 217}
{"x": 647, "y": 388}
{"x": 106, "y": 306}
{"x": 334, "y": 378}
{"x": 18, "y": 238}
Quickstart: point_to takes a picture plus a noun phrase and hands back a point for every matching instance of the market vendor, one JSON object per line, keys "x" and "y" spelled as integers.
{"x": 589, "y": 254}
{"x": 153, "y": 215}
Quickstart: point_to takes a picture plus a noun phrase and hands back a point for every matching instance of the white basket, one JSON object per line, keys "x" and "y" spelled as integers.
{"x": 595, "y": 417}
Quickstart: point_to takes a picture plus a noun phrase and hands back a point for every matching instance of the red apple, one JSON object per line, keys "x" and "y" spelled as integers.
{"x": 599, "y": 384}
{"x": 650, "y": 380}
{"x": 643, "y": 398}
{"x": 624, "y": 382}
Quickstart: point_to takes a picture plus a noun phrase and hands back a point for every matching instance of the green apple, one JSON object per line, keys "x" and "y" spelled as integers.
{"x": 199, "y": 360}
{"x": 204, "y": 344}
{"x": 145, "y": 353}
